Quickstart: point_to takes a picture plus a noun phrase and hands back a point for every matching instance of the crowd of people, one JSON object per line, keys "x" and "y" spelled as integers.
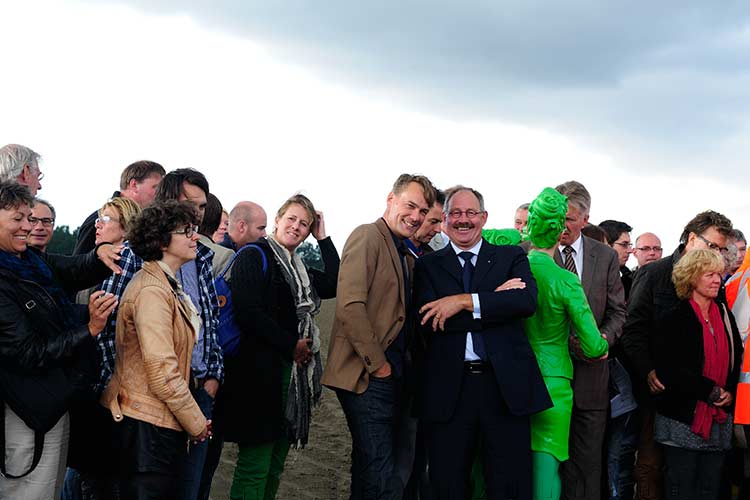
{"x": 469, "y": 362}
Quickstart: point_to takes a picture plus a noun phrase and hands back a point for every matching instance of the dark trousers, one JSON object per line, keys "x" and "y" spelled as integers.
{"x": 581, "y": 475}
{"x": 419, "y": 486}
{"x": 691, "y": 474}
{"x": 193, "y": 467}
{"x": 213, "y": 457}
{"x": 648, "y": 459}
{"x": 506, "y": 444}
{"x": 622, "y": 438}
{"x": 371, "y": 417}
{"x": 151, "y": 460}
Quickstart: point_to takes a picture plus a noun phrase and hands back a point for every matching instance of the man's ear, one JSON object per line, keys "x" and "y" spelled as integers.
{"x": 26, "y": 173}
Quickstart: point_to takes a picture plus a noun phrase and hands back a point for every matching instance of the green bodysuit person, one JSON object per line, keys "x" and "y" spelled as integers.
{"x": 561, "y": 303}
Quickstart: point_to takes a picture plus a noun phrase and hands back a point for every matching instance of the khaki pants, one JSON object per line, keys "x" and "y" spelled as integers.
{"x": 45, "y": 481}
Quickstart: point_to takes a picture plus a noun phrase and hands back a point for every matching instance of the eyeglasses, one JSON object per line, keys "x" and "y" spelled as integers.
{"x": 46, "y": 221}
{"x": 623, "y": 244}
{"x": 470, "y": 213}
{"x": 712, "y": 245}
{"x": 40, "y": 176}
{"x": 189, "y": 231}
{"x": 105, "y": 219}
{"x": 649, "y": 249}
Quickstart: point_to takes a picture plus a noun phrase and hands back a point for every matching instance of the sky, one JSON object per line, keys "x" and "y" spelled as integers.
{"x": 646, "y": 104}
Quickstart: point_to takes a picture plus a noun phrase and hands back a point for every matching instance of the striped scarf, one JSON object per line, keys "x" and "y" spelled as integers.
{"x": 304, "y": 386}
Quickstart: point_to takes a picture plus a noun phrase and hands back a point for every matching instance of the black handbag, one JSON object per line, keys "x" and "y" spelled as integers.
{"x": 39, "y": 400}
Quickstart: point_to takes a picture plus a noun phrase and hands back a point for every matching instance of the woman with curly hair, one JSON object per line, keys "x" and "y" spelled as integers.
{"x": 698, "y": 353}
{"x": 157, "y": 324}
{"x": 561, "y": 304}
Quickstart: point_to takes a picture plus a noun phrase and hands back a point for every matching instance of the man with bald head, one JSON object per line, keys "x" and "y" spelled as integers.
{"x": 247, "y": 223}
{"x": 647, "y": 249}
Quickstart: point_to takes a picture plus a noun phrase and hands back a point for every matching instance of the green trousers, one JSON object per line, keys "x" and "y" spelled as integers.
{"x": 258, "y": 471}
{"x": 546, "y": 478}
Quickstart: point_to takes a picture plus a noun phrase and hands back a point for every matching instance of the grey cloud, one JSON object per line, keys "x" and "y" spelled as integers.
{"x": 666, "y": 77}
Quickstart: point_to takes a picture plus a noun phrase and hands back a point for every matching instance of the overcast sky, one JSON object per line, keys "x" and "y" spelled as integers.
{"x": 645, "y": 103}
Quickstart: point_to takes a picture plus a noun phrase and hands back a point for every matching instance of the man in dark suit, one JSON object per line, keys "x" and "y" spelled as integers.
{"x": 598, "y": 267}
{"x": 482, "y": 379}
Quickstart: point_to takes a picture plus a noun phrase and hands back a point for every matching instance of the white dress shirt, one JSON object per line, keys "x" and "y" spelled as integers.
{"x": 469, "y": 354}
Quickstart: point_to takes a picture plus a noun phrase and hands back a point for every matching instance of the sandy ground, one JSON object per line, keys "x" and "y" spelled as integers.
{"x": 321, "y": 470}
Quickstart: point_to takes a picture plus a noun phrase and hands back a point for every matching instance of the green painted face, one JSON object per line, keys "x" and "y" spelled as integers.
{"x": 547, "y": 218}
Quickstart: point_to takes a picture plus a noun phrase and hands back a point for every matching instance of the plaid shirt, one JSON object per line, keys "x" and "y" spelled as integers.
{"x": 208, "y": 307}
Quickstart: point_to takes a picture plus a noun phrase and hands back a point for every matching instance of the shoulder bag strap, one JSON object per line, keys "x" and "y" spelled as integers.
{"x": 38, "y": 447}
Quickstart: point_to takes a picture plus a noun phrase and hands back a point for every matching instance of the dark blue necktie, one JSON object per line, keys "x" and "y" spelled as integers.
{"x": 468, "y": 273}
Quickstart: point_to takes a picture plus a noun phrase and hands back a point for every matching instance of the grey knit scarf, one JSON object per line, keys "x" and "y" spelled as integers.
{"x": 304, "y": 386}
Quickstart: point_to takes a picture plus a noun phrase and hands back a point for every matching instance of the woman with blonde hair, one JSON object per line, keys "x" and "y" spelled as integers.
{"x": 272, "y": 384}
{"x": 697, "y": 357}
{"x": 114, "y": 221}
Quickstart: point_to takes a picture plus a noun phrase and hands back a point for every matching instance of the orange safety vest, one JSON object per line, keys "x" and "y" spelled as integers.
{"x": 738, "y": 296}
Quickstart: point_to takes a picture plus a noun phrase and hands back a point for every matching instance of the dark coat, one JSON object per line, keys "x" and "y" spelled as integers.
{"x": 249, "y": 404}
{"x": 33, "y": 338}
{"x": 438, "y": 275}
{"x": 35, "y": 343}
{"x": 651, "y": 298}
{"x": 679, "y": 358}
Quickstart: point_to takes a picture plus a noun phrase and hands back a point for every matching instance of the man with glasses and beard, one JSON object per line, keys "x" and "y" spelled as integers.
{"x": 653, "y": 295}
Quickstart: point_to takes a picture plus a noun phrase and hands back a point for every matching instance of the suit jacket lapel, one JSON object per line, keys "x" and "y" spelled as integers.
{"x": 558, "y": 258}
{"x": 393, "y": 252}
{"x": 449, "y": 262}
{"x": 485, "y": 261}
{"x": 589, "y": 265}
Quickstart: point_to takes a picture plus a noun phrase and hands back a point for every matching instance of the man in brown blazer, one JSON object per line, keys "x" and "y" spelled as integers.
{"x": 367, "y": 353}
{"x": 598, "y": 267}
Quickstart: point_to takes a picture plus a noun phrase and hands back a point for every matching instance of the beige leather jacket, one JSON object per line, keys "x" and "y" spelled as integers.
{"x": 154, "y": 341}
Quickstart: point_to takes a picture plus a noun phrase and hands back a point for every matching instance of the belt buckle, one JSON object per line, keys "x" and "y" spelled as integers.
{"x": 475, "y": 367}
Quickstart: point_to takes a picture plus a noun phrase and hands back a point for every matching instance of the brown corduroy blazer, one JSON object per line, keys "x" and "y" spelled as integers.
{"x": 370, "y": 307}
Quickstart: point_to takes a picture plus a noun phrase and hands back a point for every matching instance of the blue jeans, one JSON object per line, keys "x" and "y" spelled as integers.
{"x": 192, "y": 470}
{"x": 371, "y": 417}
{"x": 72, "y": 485}
{"x": 622, "y": 439}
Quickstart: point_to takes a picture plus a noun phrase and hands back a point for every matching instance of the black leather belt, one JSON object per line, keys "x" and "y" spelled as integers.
{"x": 476, "y": 367}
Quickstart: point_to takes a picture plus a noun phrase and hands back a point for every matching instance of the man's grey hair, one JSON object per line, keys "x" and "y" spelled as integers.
{"x": 524, "y": 206}
{"x": 451, "y": 192}
{"x": 577, "y": 195}
{"x": 48, "y": 204}
{"x": 13, "y": 157}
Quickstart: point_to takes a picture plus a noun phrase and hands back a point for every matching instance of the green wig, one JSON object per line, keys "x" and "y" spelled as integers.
{"x": 547, "y": 218}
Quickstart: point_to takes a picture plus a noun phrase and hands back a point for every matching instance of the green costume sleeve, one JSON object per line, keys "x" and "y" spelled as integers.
{"x": 584, "y": 324}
